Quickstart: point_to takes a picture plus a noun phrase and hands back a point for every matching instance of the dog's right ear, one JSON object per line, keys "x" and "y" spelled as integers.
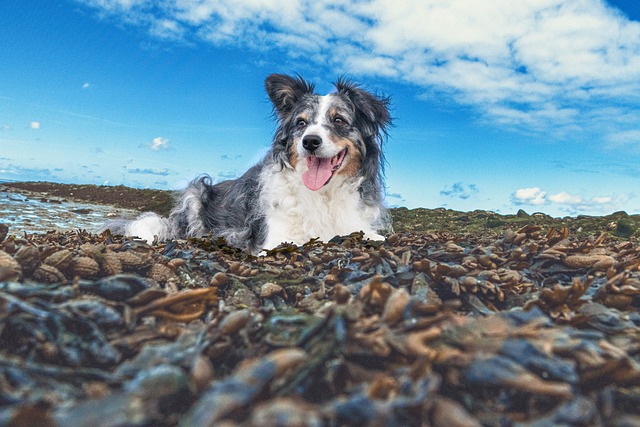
{"x": 285, "y": 91}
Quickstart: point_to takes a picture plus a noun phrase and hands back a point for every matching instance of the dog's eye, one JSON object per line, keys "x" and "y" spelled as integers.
{"x": 339, "y": 120}
{"x": 301, "y": 123}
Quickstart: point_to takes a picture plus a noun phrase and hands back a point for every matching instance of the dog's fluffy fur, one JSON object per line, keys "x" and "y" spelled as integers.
{"x": 322, "y": 176}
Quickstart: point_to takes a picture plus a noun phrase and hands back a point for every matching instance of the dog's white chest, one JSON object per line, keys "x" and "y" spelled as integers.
{"x": 296, "y": 214}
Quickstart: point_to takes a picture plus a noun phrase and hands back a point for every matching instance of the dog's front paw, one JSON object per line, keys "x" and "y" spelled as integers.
{"x": 373, "y": 236}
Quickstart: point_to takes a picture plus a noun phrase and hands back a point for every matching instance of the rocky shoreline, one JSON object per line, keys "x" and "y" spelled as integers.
{"x": 462, "y": 319}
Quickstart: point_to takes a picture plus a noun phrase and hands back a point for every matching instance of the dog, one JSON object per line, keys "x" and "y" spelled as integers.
{"x": 322, "y": 177}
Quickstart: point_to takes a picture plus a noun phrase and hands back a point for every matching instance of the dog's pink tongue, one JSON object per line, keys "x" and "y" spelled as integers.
{"x": 318, "y": 174}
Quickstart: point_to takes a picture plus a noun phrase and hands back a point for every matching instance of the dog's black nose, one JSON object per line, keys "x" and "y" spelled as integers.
{"x": 311, "y": 142}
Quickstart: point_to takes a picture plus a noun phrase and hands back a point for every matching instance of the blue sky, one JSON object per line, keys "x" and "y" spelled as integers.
{"x": 499, "y": 105}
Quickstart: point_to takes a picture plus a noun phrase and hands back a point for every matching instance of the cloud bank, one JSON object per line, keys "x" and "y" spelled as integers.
{"x": 570, "y": 203}
{"x": 564, "y": 66}
{"x": 21, "y": 173}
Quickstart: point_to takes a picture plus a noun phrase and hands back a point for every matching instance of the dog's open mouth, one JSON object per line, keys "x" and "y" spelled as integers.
{"x": 321, "y": 169}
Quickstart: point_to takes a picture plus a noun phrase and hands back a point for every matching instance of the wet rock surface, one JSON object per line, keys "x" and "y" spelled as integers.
{"x": 527, "y": 325}
{"x": 37, "y": 208}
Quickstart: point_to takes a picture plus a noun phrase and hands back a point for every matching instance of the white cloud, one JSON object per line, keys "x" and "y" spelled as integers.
{"x": 167, "y": 29}
{"x": 86, "y": 86}
{"x": 159, "y": 143}
{"x": 602, "y": 200}
{"x": 116, "y": 5}
{"x": 565, "y": 198}
{"x": 529, "y": 196}
{"x": 628, "y": 137}
{"x": 534, "y": 64}
{"x": 34, "y": 125}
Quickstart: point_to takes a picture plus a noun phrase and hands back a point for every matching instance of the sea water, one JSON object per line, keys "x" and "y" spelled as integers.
{"x": 37, "y": 213}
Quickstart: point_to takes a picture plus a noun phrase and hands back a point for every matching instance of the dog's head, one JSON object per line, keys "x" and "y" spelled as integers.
{"x": 324, "y": 136}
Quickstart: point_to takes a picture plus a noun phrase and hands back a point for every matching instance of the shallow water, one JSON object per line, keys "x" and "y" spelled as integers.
{"x": 37, "y": 213}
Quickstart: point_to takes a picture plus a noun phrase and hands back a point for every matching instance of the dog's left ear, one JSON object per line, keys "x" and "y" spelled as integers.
{"x": 371, "y": 111}
{"x": 285, "y": 91}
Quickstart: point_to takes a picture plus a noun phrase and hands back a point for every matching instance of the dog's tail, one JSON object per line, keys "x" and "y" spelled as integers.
{"x": 147, "y": 226}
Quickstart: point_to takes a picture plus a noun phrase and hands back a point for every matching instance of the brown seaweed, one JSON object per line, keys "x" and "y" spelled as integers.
{"x": 532, "y": 327}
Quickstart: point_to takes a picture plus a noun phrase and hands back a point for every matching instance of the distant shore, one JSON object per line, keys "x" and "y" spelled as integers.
{"x": 159, "y": 201}
{"x": 420, "y": 220}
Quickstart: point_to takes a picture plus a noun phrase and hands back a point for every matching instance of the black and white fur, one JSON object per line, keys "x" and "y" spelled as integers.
{"x": 322, "y": 177}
